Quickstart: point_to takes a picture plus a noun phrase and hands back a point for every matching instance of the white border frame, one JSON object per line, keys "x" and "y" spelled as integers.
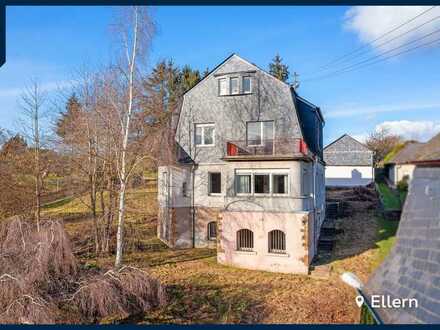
{"x": 203, "y": 135}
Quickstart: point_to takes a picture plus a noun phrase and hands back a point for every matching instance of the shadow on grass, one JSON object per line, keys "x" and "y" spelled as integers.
{"x": 204, "y": 303}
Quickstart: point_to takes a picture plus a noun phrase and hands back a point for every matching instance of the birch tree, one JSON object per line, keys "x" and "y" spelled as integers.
{"x": 135, "y": 31}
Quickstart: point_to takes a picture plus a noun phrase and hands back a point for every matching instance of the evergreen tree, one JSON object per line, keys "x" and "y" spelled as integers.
{"x": 67, "y": 119}
{"x": 14, "y": 146}
{"x": 189, "y": 77}
{"x": 278, "y": 69}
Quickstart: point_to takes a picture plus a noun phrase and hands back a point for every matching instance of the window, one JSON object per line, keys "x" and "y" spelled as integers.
{"x": 243, "y": 184}
{"x": 273, "y": 182}
{"x": 245, "y": 240}
{"x": 261, "y": 184}
{"x": 215, "y": 183}
{"x": 277, "y": 242}
{"x": 205, "y": 134}
{"x": 259, "y": 132}
{"x": 279, "y": 183}
{"x": 212, "y": 231}
{"x": 223, "y": 86}
{"x": 184, "y": 189}
{"x": 246, "y": 84}
{"x": 234, "y": 85}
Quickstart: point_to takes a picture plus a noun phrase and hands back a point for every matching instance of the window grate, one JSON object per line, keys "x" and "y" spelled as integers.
{"x": 277, "y": 242}
{"x": 245, "y": 240}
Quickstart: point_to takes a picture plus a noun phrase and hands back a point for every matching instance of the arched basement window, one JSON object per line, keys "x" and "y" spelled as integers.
{"x": 277, "y": 241}
{"x": 245, "y": 240}
{"x": 212, "y": 230}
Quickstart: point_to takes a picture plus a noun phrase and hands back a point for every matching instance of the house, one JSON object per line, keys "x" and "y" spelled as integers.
{"x": 249, "y": 179}
{"x": 399, "y": 166}
{"x": 348, "y": 162}
{"x": 412, "y": 269}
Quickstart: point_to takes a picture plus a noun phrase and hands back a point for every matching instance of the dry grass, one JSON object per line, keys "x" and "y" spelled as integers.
{"x": 202, "y": 291}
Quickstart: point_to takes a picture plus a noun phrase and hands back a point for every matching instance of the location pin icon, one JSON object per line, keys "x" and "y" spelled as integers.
{"x": 359, "y": 301}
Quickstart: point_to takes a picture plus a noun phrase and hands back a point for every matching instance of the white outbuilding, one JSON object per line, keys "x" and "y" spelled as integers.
{"x": 349, "y": 163}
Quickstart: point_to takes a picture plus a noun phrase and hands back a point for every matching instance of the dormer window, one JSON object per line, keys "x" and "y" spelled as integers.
{"x": 246, "y": 85}
{"x": 223, "y": 86}
{"x": 234, "y": 86}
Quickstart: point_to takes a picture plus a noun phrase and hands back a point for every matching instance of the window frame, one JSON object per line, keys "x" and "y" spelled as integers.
{"x": 210, "y": 182}
{"x": 263, "y": 138}
{"x": 271, "y": 173}
{"x": 250, "y": 84}
{"x": 237, "y": 245}
{"x": 270, "y": 241}
{"x": 238, "y": 85}
{"x": 227, "y": 88}
{"x": 212, "y": 238}
{"x": 202, "y": 126}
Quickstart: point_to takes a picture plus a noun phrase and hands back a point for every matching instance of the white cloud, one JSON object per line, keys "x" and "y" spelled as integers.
{"x": 352, "y": 110}
{"x": 371, "y": 22}
{"x": 362, "y": 137}
{"x": 411, "y": 130}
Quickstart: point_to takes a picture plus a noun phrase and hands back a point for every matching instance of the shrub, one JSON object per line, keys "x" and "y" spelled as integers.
{"x": 402, "y": 185}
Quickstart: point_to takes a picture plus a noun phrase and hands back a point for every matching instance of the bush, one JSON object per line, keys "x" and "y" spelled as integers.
{"x": 402, "y": 185}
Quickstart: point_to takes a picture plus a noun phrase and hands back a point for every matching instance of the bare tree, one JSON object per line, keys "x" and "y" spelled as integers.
{"x": 135, "y": 31}
{"x": 382, "y": 142}
{"x": 32, "y": 102}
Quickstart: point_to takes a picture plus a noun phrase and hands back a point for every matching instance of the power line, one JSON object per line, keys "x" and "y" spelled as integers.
{"x": 389, "y": 51}
{"x": 374, "y": 62}
{"x": 377, "y": 39}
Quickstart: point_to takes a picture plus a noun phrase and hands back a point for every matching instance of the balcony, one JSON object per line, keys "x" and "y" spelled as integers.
{"x": 278, "y": 149}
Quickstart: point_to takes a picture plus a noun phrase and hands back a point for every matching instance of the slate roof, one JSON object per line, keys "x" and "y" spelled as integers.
{"x": 347, "y": 151}
{"x": 412, "y": 269}
{"x": 407, "y": 154}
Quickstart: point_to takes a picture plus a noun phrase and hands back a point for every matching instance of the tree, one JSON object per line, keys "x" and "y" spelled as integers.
{"x": 32, "y": 102}
{"x": 67, "y": 120}
{"x": 189, "y": 78}
{"x": 15, "y": 145}
{"x": 135, "y": 31}
{"x": 278, "y": 69}
{"x": 381, "y": 142}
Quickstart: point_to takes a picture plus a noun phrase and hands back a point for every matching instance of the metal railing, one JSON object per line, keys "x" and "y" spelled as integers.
{"x": 273, "y": 147}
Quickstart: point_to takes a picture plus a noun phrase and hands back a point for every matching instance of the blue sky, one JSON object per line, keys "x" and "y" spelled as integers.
{"x": 51, "y": 43}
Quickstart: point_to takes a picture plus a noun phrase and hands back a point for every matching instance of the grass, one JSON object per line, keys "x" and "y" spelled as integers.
{"x": 386, "y": 237}
{"x": 390, "y": 200}
{"x": 203, "y": 291}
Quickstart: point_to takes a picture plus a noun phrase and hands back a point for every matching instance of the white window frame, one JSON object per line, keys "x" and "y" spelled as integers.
{"x": 261, "y": 132}
{"x": 226, "y": 80}
{"x": 230, "y": 85}
{"x": 271, "y": 173}
{"x": 203, "y": 135}
{"x": 250, "y": 85}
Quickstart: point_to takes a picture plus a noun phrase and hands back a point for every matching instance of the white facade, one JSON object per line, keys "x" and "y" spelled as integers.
{"x": 397, "y": 172}
{"x": 348, "y": 176}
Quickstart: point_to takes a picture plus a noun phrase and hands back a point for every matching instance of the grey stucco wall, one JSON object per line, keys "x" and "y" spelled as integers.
{"x": 346, "y": 151}
{"x": 271, "y": 99}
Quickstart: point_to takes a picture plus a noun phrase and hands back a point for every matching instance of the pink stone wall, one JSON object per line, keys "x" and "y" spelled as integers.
{"x": 296, "y": 226}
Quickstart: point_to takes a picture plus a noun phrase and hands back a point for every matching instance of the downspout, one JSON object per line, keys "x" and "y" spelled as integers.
{"x": 193, "y": 215}
{"x": 315, "y": 248}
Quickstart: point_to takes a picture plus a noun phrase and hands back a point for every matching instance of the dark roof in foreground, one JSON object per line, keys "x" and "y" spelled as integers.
{"x": 407, "y": 154}
{"x": 347, "y": 151}
{"x": 412, "y": 269}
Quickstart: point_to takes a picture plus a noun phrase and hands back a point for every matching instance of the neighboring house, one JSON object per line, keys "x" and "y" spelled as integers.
{"x": 400, "y": 166}
{"x": 349, "y": 163}
{"x": 250, "y": 175}
{"x": 412, "y": 269}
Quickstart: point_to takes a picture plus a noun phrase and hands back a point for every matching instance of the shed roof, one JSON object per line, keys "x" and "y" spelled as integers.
{"x": 430, "y": 150}
{"x": 407, "y": 154}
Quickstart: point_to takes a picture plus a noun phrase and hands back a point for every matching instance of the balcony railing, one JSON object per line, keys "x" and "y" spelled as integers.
{"x": 265, "y": 148}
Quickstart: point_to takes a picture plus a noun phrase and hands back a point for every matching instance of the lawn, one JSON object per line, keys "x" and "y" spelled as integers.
{"x": 390, "y": 200}
{"x": 203, "y": 291}
{"x": 386, "y": 237}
